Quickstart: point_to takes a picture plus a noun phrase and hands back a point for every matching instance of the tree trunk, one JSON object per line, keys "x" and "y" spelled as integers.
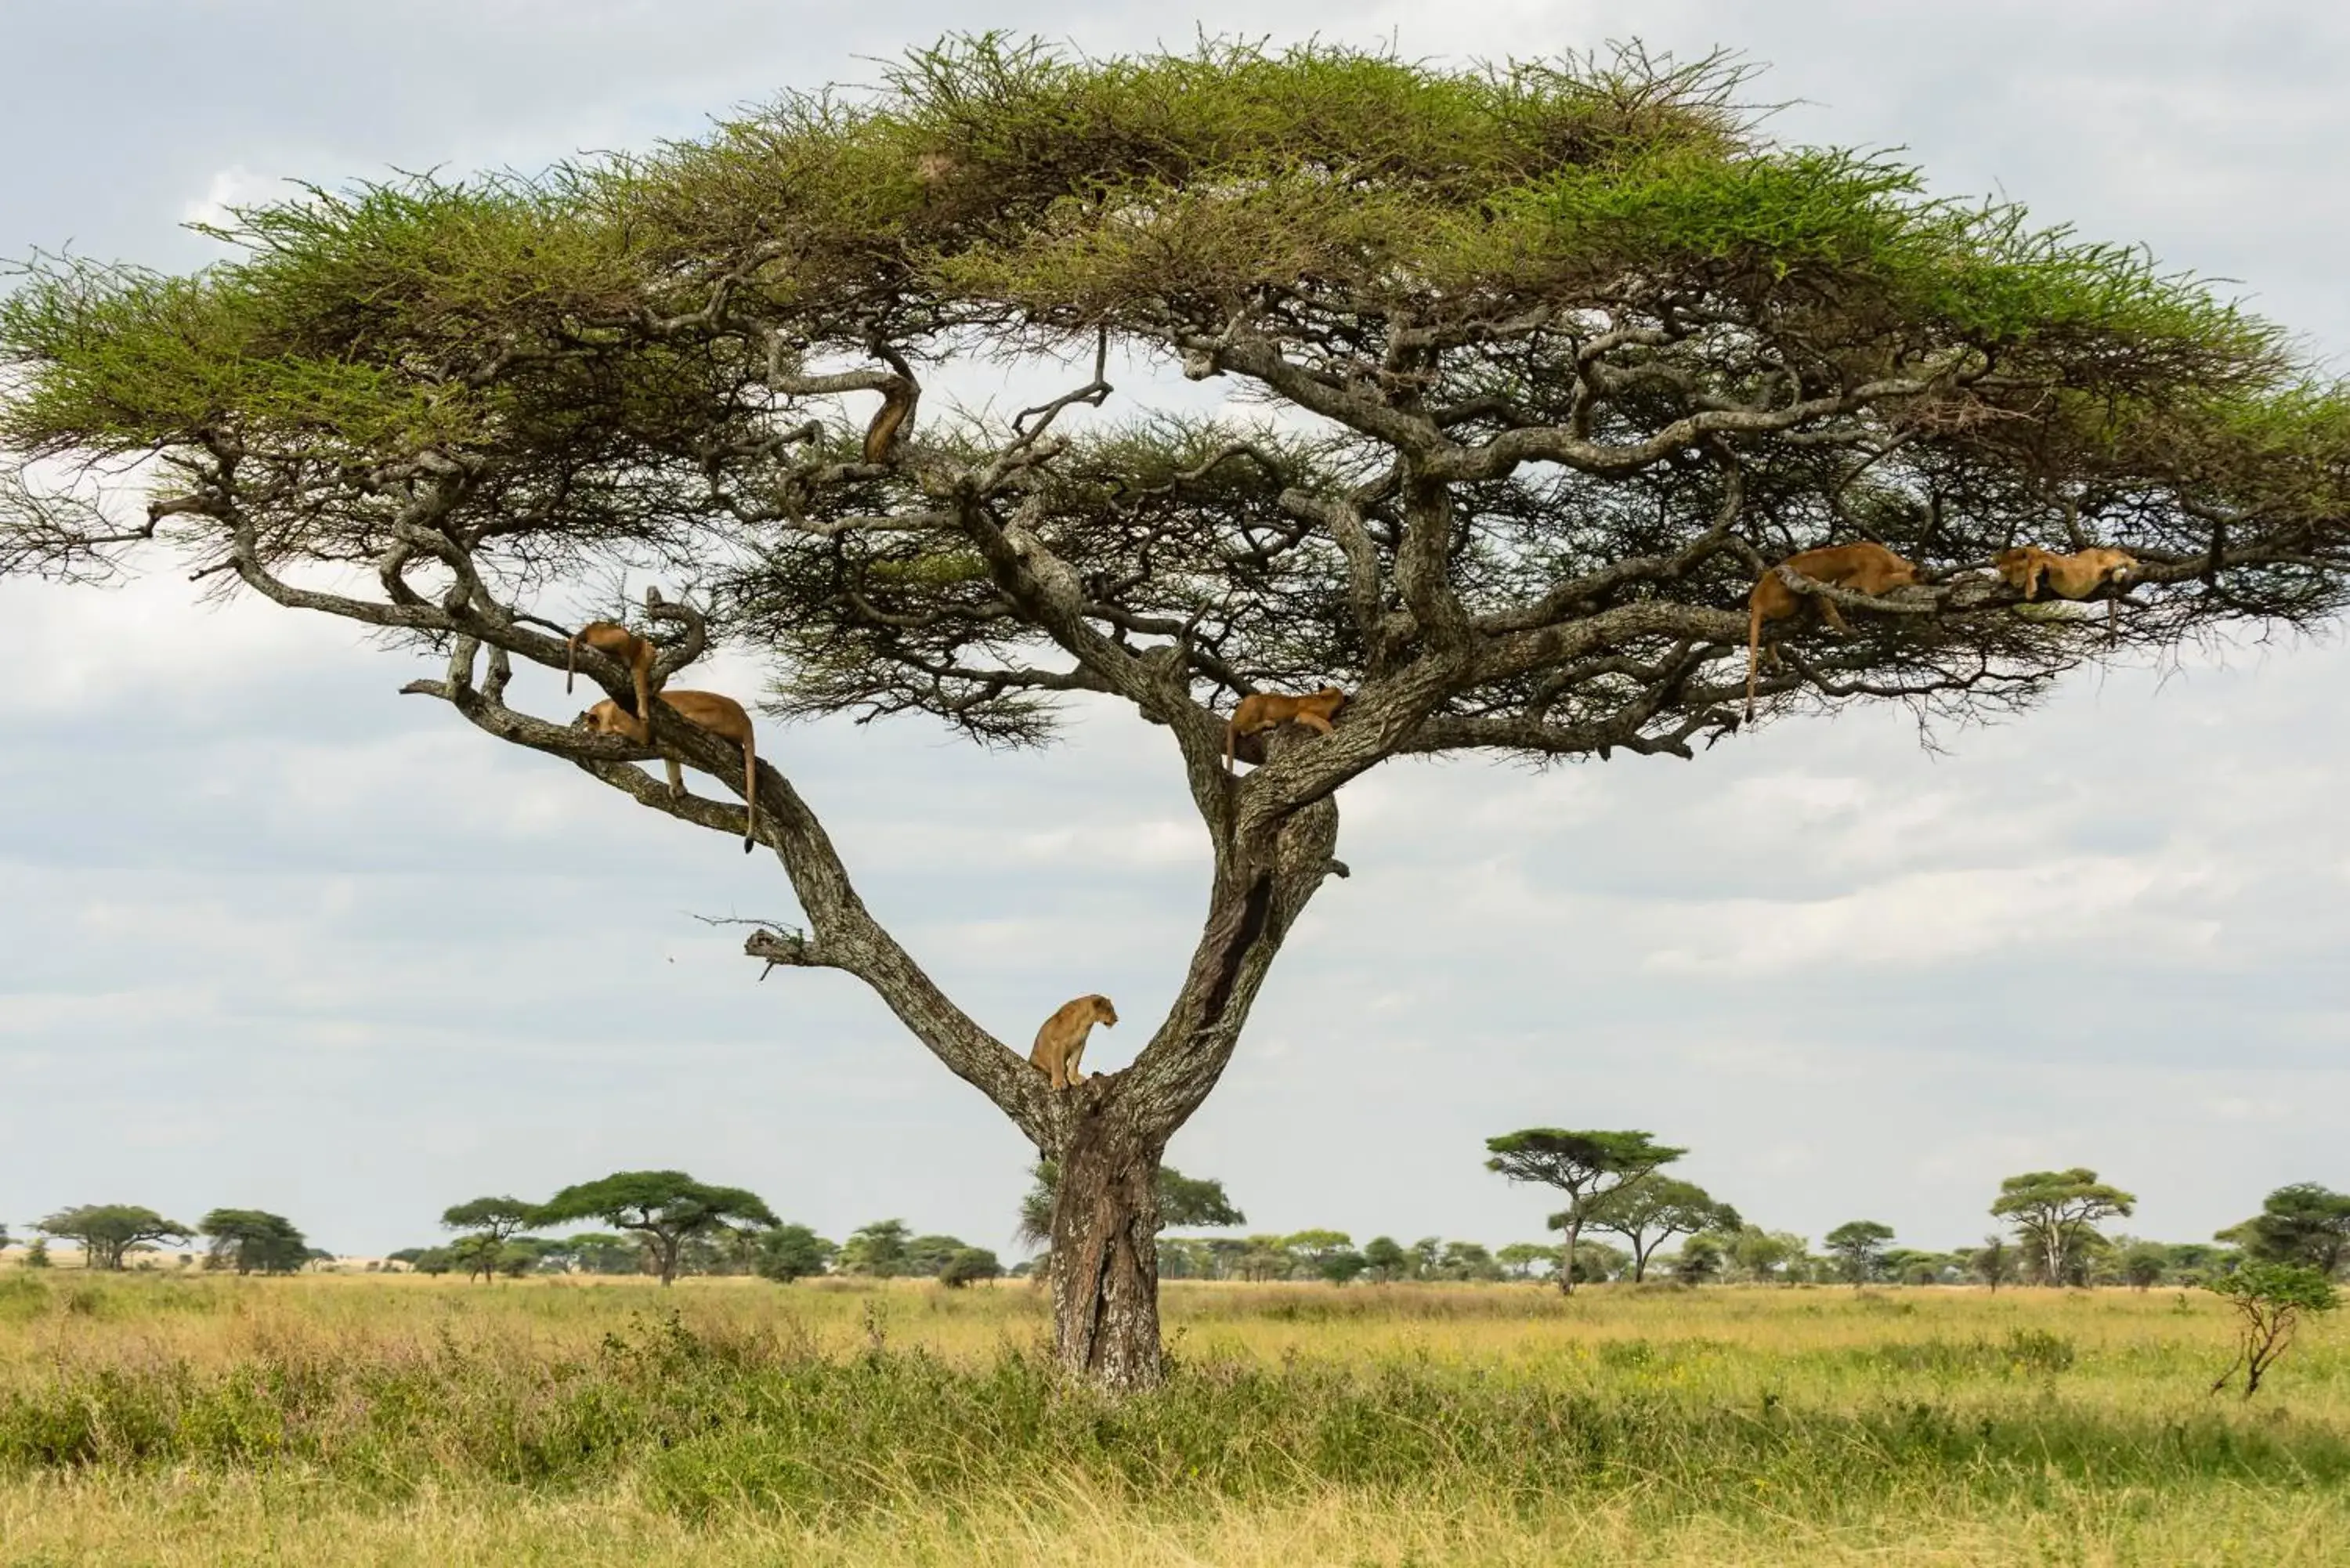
{"x": 1106, "y": 1245}
{"x": 1567, "y": 1259}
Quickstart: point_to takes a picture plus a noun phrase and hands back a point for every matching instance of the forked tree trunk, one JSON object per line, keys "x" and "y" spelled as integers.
{"x": 1105, "y": 1257}
{"x": 1114, "y": 1130}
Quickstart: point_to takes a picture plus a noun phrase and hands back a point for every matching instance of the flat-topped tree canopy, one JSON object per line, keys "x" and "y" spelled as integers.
{"x": 1534, "y": 369}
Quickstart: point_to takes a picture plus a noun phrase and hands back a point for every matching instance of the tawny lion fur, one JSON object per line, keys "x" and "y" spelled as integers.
{"x": 616, "y": 642}
{"x": 897, "y": 400}
{"x": 719, "y": 716}
{"x": 1265, "y": 710}
{"x": 1062, "y": 1039}
{"x": 1863, "y": 569}
{"x": 2027, "y": 568}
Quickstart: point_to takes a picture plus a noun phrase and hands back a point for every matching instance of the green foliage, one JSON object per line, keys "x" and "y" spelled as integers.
{"x": 1384, "y": 1259}
{"x": 1648, "y": 1213}
{"x": 1764, "y": 1256}
{"x": 1574, "y": 1161}
{"x": 2144, "y": 1264}
{"x": 876, "y": 1251}
{"x": 2301, "y": 1223}
{"x": 2056, "y": 1213}
{"x": 788, "y": 1252}
{"x": 597, "y": 1252}
{"x": 1700, "y": 1261}
{"x": 1858, "y": 1247}
{"x": 1993, "y": 1262}
{"x": 249, "y": 1239}
{"x": 2271, "y": 1301}
{"x": 1519, "y": 1259}
{"x": 965, "y": 1265}
{"x": 1185, "y": 1203}
{"x": 664, "y": 1207}
{"x": 107, "y": 1232}
{"x": 611, "y": 334}
{"x": 1587, "y": 1166}
{"x": 928, "y": 1256}
{"x": 496, "y": 1218}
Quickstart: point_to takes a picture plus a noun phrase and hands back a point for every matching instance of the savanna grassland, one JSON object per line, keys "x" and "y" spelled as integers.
{"x": 149, "y": 1419}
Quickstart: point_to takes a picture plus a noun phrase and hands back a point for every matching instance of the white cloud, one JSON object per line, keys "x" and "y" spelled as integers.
{"x": 234, "y": 186}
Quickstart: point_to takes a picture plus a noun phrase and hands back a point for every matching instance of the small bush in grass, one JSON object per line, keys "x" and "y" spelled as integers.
{"x": 2271, "y": 1301}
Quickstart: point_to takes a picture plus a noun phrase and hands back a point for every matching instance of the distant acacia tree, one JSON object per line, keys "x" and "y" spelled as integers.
{"x": 2143, "y": 1264}
{"x": 966, "y": 1265}
{"x": 1648, "y": 1213}
{"x": 1316, "y": 1250}
{"x": 1384, "y": 1260}
{"x": 1763, "y": 1255}
{"x": 1589, "y": 1167}
{"x": 876, "y": 1251}
{"x": 2055, "y": 1215}
{"x": 1185, "y": 1203}
{"x": 1858, "y": 1248}
{"x": 1537, "y": 368}
{"x": 249, "y": 1239}
{"x": 2302, "y": 1224}
{"x": 599, "y": 1252}
{"x": 1993, "y": 1262}
{"x": 663, "y": 1207}
{"x": 107, "y": 1232}
{"x": 1700, "y": 1261}
{"x": 490, "y": 1222}
{"x": 928, "y": 1256}
{"x": 1519, "y": 1260}
{"x": 788, "y": 1252}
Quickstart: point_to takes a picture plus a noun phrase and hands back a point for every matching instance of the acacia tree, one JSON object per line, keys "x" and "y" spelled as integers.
{"x": 1547, "y": 362}
{"x": 107, "y": 1232}
{"x": 491, "y": 1222}
{"x": 2055, "y": 1215}
{"x": 2302, "y": 1222}
{"x": 1858, "y": 1248}
{"x": 249, "y": 1239}
{"x": 1185, "y": 1202}
{"x": 1589, "y": 1167}
{"x": 1648, "y": 1213}
{"x": 664, "y": 1207}
{"x": 1992, "y": 1262}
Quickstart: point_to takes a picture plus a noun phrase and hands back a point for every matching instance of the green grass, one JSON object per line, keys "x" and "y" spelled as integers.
{"x": 174, "y": 1420}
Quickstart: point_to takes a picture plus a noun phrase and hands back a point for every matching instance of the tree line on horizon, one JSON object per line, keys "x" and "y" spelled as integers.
{"x": 665, "y": 1223}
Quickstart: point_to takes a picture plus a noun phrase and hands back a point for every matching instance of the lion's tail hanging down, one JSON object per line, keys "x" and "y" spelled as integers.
{"x": 570, "y": 662}
{"x": 1753, "y": 646}
{"x": 750, "y": 788}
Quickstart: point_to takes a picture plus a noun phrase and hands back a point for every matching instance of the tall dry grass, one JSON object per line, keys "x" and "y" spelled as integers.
{"x": 184, "y": 1420}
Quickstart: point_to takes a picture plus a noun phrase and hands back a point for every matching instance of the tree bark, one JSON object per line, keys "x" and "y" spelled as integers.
{"x": 1105, "y": 1257}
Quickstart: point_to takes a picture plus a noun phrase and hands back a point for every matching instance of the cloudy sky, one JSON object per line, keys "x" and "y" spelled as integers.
{"x": 273, "y": 936}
